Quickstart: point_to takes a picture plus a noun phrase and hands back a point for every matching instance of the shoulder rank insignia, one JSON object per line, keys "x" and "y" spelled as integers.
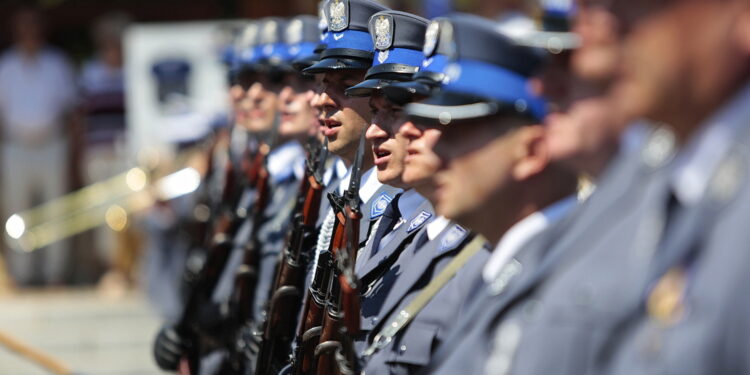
{"x": 431, "y": 38}
{"x": 338, "y": 15}
{"x": 381, "y": 29}
{"x": 379, "y": 205}
{"x": 418, "y": 221}
{"x": 455, "y": 235}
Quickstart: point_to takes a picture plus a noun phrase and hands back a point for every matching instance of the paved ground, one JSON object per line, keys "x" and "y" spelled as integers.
{"x": 92, "y": 335}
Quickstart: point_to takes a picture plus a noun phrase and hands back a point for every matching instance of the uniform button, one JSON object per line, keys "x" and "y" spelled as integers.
{"x": 402, "y": 349}
{"x": 241, "y": 212}
{"x": 659, "y": 147}
{"x": 374, "y": 320}
{"x": 726, "y": 180}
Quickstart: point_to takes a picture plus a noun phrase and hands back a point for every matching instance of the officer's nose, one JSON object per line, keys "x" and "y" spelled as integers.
{"x": 409, "y": 131}
{"x": 374, "y": 131}
{"x": 286, "y": 96}
{"x": 255, "y": 93}
{"x": 321, "y": 101}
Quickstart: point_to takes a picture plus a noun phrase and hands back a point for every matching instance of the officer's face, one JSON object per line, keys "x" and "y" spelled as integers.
{"x": 388, "y": 145}
{"x": 680, "y": 58}
{"x": 477, "y": 160}
{"x": 236, "y": 95}
{"x": 486, "y": 169}
{"x": 297, "y": 116}
{"x": 261, "y": 103}
{"x": 421, "y": 161}
{"x": 343, "y": 118}
{"x": 597, "y": 58}
{"x": 584, "y": 137}
{"x": 582, "y": 133}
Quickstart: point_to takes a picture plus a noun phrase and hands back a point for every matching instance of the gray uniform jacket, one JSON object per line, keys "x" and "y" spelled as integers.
{"x": 708, "y": 331}
{"x": 376, "y": 270}
{"x": 413, "y": 347}
{"x": 572, "y": 286}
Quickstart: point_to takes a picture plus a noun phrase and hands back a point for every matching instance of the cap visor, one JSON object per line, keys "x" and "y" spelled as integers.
{"x": 367, "y": 87}
{"x": 450, "y": 107}
{"x": 553, "y": 41}
{"x": 406, "y": 92}
{"x": 331, "y": 64}
{"x": 305, "y": 62}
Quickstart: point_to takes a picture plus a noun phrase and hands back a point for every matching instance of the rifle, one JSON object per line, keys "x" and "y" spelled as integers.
{"x": 286, "y": 295}
{"x": 247, "y": 274}
{"x": 319, "y": 330}
{"x": 201, "y": 283}
{"x": 343, "y": 310}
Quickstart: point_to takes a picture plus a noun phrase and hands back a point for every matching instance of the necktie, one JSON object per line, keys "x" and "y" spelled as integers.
{"x": 387, "y": 222}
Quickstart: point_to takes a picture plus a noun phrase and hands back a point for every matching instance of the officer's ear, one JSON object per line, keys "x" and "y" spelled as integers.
{"x": 532, "y": 156}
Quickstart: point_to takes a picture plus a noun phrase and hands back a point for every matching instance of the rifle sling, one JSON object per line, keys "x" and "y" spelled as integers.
{"x": 405, "y": 316}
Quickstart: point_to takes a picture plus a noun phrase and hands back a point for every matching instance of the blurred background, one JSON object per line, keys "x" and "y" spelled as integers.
{"x": 103, "y": 107}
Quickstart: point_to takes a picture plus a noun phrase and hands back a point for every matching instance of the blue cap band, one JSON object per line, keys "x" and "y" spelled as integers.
{"x": 228, "y": 55}
{"x": 246, "y": 56}
{"x": 436, "y": 63}
{"x": 275, "y": 50}
{"x": 399, "y": 56}
{"x": 301, "y": 50}
{"x": 506, "y": 87}
{"x": 353, "y": 39}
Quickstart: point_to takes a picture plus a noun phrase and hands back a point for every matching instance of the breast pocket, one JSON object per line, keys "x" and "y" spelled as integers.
{"x": 414, "y": 347}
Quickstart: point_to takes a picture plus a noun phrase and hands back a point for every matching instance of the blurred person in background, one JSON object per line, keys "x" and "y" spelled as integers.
{"x": 103, "y": 105}
{"x": 37, "y": 93}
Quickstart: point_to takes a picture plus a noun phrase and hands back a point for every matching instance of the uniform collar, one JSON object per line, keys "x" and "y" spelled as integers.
{"x": 409, "y": 202}
{"x": 337, "y": 170}
{"x": 368, "y": 186}
{"x": 519, "y": 234}
{"x": 435, "y": 227}
{"x": 286, "y": 160}
{"x": 700, "y": 157}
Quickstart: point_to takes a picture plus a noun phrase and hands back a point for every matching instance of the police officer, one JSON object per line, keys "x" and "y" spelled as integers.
{"x": 343, "y": 63}
{"x": 691, "y": 315}
{"x": 411, "y": 247}
{"x": 264, "y": 233}
{"x": 491, "y": 124}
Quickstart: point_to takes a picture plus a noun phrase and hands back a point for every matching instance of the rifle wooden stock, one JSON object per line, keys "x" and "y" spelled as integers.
{"x": 325, "y": 359}
{"x": 349, "y": 284}
{"x": 330, "y": 331}
{"x": 248, "y": 272}
{"x": 312, "y": 316}
{"x": 311, "y": 209}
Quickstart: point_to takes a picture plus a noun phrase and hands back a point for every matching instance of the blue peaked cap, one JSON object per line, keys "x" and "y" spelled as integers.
{"x": 301, "y": 38}
{"x": 305, "y": 60}
{"x": 434, "y": 52}
{"x": 398, "y": 38}
{"x": 349, "y": 45}
{"x": 487, "y": 74}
